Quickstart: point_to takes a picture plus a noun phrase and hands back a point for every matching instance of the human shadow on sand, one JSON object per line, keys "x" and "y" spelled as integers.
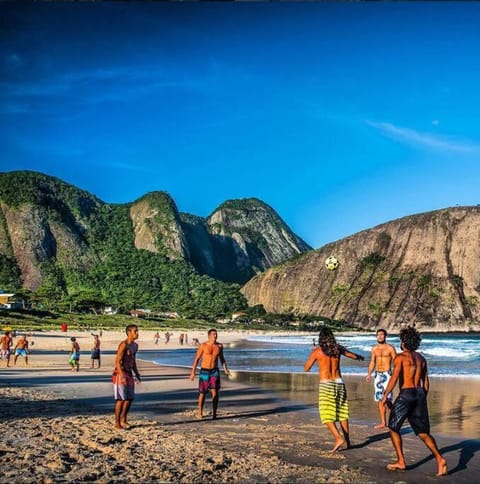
{"x": 378, "y": 437}
{"x": 466, "y": 448}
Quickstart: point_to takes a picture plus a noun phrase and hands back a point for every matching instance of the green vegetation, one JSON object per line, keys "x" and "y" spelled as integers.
{"x": 111, "y": 271}
{"x": 373, "y": 259}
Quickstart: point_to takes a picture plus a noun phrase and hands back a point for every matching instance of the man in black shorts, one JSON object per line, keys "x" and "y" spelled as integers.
{"x": 410, "y": 370}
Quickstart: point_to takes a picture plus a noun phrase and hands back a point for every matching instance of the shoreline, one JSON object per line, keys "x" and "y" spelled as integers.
{"x": 61, "y": 428}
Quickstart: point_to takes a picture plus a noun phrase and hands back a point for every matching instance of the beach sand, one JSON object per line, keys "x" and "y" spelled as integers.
{"x": 58, "y": 426}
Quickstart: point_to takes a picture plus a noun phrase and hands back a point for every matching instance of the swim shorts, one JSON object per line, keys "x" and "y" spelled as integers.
{"x": 332, "y": 401}
{"x": 4, "y": 354}
{"x": 95, "y": 354}
{"x": 208, "y": 380}
{"x": 123, "y": 388}
{"x": 411, "y": 403}
{"x": 21, "y": 352}
{"x": 380, "y": 385}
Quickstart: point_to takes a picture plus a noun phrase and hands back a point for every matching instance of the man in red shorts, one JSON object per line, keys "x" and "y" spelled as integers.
{"x": 123, "y": 380}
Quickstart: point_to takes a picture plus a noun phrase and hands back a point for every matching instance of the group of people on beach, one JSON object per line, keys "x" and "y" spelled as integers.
{"x": 74, "y": 355}
{"x": 7, "y": 348}
{"x": 408, "y": 369}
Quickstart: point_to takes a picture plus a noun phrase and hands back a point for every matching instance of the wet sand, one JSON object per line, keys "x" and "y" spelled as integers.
{"x": 58, "y": 426}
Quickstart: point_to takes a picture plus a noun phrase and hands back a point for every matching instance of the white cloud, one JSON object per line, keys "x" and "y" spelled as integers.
{"x": 425, "y": 140}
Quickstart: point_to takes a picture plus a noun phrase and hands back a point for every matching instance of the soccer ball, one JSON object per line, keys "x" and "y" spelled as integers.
{"x": 331, "y": 263}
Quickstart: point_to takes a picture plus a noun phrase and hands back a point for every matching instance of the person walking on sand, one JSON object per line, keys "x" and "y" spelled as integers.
{"x": 95, "y": 354}
{"x": 332, "y": 394}
{"x": 410, "y": 371}
{"x": 381, "y": 362}
{"x": 74, "y": 355}
{"x": 123, "y": 380}
{"x": 209, "y": 378}
{"x": 6, "y": 343}
{"x": 21, "y": 349}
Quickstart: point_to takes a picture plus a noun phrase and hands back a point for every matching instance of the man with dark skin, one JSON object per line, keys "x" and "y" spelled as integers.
{"x": 332, "y": 398}
{"x": 381, "y": 361}
{"x": 21, "y": 349}
{"x": 123, "y": 380}
{"x": 410, "y": 371}
{"x": 6, "y": 343}
{"x": 209, "y": 379}
{"x": 95, "y": 354}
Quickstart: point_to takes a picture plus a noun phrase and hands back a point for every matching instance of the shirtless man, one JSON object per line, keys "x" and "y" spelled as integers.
{"x": 6, "y": 342}
{"x": 21, "y": 349}
{"x": 332, "y": 394}
{"x": 123, "y": 380}
{"x": 381, "y": 361}
{"x": 74, "y": 355}
{"x": 209, "y": 379}
{"x": 95, "y": 354}
{"x": 410, "y": 370}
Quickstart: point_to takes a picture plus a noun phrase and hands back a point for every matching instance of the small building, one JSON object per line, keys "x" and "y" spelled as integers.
{"x": 239, "y": 315}
{"x": 10, "y": 301}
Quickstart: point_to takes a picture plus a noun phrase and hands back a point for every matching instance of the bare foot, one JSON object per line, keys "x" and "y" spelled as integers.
{"x": 442, "y": 468}
{"x": 338, "y": 444}
{"x": 118, "y": 427}
{"x": 396, "y": 466}
{"x": 125, "y": 425}
{"x": 380, "y": 426}
{"x": 199, "y": 416}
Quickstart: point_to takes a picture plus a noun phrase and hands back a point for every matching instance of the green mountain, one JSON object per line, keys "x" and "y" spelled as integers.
{"x": 60, "y": 241}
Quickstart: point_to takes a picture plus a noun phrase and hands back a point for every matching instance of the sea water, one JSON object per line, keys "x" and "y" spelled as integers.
{"x": 449, "y": 355}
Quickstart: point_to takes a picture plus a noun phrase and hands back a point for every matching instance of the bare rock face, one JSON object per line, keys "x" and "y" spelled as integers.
{"x": 31, "y": 240}
{"x": 420, "y": 269}
{"x": 157, "y": 226}
{"x": 250, "y": 237}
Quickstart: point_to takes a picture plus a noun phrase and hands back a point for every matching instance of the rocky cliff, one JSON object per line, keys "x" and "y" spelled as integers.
{"x": 422, "y": 268}
{"x": 50, "y": 229}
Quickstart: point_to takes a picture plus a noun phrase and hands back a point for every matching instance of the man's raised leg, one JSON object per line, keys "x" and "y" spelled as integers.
{"x": 430, "y": 442}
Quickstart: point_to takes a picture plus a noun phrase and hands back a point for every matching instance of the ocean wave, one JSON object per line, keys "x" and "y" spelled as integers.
{"x": 442, "y": 352}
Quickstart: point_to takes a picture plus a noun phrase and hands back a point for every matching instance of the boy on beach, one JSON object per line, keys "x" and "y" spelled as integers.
{"x": 6, "y": 342}
{"x": 123, "y": 380}
{"x": 332, "y": 394}
{"x": 95, "y": 354}
{"x": 410, "y": 370}
{"x": 209, "y": 378}
{"x": 21, "y": 349}
{"x": 74, "y": 358}
{"x": 381, "y": 361}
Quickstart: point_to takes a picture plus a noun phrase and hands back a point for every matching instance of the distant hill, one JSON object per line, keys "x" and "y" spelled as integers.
{"x": 56, "y": 237}
{"x": 422, "y": 268}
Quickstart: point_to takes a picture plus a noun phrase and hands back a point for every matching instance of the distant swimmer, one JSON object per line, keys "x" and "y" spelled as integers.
{"x": 209, "y": 378}
{"x": 21, "y": 349}
{"x": 332, "y": 394}
{"x": 123, "y": 379}
{"x": 381, "y": 362}
{"x": 410, "y": 371}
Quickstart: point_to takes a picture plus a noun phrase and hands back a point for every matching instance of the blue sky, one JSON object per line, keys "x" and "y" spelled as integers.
{"x": 340, "y": 116}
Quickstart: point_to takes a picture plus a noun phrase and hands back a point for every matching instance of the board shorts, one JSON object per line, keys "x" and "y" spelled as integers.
{"x": 381, "y": 379}
{"x": 74, "y": 359}
{"x": 123, "y": 388}
{"x": 21, "y": 352}
{"x": 332, "y": 401}
{"x": 410, "y": 404}
{"x": 95, "y": 354}
{"x": 4, "y": 354}
{"x": 208, "y": 380}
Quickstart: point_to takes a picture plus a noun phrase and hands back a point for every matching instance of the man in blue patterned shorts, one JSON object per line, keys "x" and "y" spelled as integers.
{"x": 209, "y": 379}
{"x": 381, "y": 362}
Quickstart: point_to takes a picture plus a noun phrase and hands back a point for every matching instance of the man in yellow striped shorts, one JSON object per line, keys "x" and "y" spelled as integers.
{"x": 332, "y": 394}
